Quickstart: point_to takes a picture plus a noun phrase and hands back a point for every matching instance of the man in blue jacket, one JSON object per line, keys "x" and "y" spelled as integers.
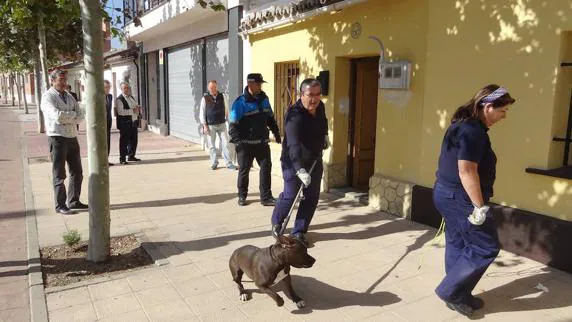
{"x": 250, "y": 117}
{"x": 306, "y": 135}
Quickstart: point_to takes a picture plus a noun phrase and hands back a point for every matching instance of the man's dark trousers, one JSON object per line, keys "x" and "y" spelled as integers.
{"x": 307, "y": 206}
{"x": 108, "y": 137}
{"x": 133, "y": 139}
{"x": 64, "y": 150}
{"x": 245, "y": 154}
{"x": 108, "y": 99}
{"x": 127, "y": 138}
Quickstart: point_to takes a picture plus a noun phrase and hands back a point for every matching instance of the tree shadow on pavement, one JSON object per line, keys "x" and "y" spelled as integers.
{"x": 170, "y": 248}
{"x": 522, "y": 294}
{"x": 171, "y": 160}
{"x": 12, "y": 215}
{"x": 210, "y": 199}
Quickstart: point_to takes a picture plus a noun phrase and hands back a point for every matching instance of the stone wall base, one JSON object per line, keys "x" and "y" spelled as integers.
{"x": 390, "y": 195}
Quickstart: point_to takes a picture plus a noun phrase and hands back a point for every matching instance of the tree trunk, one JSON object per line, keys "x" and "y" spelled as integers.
{"x": 18, "y": 89}
{"x": 6, "y": 82}
{"x": 38, "y": 87}
{"x": 11, "y": 77}
{"x": 44, "y": 64}
{"x": 99, "y": 219}
{"x": 24, "y": 94}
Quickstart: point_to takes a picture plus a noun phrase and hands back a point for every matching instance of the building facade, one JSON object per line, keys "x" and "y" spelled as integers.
{"x": 183, "y": 47}
{"x": 395, "y": 71}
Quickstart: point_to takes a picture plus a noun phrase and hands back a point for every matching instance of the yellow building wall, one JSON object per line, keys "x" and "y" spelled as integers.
{"x": 325, "y": 43}
{"x": 456, "y": 47}
{"x": 516, "y": 44}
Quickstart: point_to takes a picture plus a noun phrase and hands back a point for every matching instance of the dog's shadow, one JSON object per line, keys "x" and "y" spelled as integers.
{"x": 321, "y": 296}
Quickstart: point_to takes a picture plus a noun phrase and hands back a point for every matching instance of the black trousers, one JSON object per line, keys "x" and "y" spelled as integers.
{"x": 246, "y": 153}
{"x": 108, "y": 139}
{"x": 128, "y": 139}
{"x": 65, "y": 150}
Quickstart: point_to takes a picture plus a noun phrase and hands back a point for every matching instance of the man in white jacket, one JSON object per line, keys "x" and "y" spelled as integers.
{"x": 62, "y": 115}
{"x": 213, "y": 116}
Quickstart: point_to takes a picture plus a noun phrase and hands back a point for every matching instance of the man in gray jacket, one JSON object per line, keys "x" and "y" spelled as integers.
{"x": 62, "y": 115}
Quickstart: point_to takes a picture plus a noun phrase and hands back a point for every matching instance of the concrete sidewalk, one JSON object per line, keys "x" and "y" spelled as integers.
{"x": 14, "y": 286}
{"x": 368, "y": 263}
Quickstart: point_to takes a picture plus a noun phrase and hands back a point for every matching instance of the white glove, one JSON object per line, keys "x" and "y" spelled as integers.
{"x": 326, "y": 142}
{"x": 479, "y": 215}
{"x": 304, "y": 177}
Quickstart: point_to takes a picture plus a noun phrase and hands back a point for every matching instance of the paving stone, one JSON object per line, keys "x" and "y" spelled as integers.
{"x": 65, "y": 299}
{"x": 116, "y": 305}
{"x": 109, "y": 289}
{"x": 172, "y": 311}
{"x": 81, "y": 312}
{"x": 157, "y": 295}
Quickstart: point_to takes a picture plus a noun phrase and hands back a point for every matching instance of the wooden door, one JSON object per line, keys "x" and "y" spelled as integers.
{"x": 365, "y": 74}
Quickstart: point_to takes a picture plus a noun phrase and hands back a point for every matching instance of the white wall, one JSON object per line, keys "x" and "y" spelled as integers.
{"x": 215, "y": 24}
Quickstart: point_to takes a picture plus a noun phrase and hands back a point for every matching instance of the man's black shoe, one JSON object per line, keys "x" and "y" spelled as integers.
{"x": 65, "y": 211}
{"x": 276, "y": 231}
{"x": 301, "y": 238}
{"x": 78, "y": 205}
{"x": 110, "y": 164}
{"x": 133, "y": 159}
{"x": 462, "y": 308}
{"x": 268, "y": 201}
{"x": 242, "y": 201}
{"x": 123, "y": 162}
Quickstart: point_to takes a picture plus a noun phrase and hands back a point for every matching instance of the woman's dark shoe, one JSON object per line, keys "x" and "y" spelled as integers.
{"x": 462, "y": 308}
{"x": 476, "y": 303}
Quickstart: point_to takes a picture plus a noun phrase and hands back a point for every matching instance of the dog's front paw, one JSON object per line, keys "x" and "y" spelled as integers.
{"x": 279, "y": 301}
{"x": 301, "y": 304}
{"x": 244, "y": 297}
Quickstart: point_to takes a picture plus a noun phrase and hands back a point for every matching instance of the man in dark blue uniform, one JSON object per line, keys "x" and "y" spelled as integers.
{"x": 250, "y": 117}
{"x": 306, "y": 135}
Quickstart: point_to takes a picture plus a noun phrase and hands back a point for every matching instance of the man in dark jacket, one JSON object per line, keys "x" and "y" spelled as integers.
{"x": 306, "y": 135}
{"x": 108, "y": 105}
{"x": 250, "y": 117}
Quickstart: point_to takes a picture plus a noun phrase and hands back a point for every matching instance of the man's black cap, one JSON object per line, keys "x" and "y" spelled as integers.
{"x": 255, "y": 77}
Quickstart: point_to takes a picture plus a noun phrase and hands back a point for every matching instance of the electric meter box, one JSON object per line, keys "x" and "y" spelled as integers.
{"x": 394, "y": 75}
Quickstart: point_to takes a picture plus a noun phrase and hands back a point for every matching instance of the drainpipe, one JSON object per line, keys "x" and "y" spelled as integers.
{"x": 138, "y": 87}
{"x": 296, "y": 17}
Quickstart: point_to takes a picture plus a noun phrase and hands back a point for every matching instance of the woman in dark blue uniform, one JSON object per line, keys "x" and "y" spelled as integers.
{"x": 464, "y": 185}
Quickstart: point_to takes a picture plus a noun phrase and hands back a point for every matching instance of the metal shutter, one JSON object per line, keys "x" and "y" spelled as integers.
{"x": 217, "y": 61}
{"x": 185, "y": 81}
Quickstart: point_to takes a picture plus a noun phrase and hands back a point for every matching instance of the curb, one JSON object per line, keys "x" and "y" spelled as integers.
{"x": 38, "y": 306}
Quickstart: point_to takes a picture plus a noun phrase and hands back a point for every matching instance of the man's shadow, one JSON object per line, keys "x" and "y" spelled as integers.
{"x": 521, "y": 294}
{"x": 321, "y": 296}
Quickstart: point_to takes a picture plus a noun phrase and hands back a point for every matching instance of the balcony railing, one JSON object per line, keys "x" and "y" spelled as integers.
{"x": 140, "y": 7}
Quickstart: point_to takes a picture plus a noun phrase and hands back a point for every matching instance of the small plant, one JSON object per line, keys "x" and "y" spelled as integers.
{"x": 72, "y": 237}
